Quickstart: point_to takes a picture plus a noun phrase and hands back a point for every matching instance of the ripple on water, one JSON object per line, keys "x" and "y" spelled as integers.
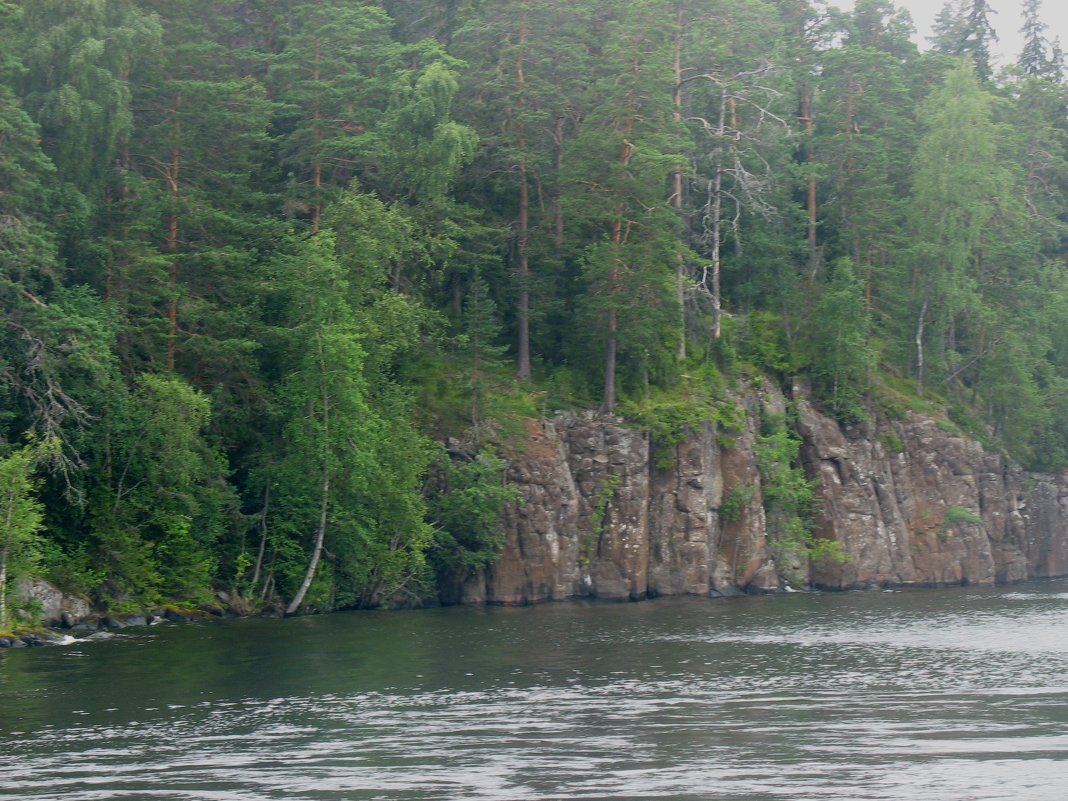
{"x": 847, "y": 699}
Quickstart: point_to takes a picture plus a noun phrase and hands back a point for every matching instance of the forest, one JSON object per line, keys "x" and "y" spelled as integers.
{"x": 280, "y": 280}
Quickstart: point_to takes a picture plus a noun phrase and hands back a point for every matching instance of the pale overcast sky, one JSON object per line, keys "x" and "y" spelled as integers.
{"x": 1007, "y": 21}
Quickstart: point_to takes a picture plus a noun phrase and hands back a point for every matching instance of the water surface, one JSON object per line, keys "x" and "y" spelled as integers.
{"x": 944, "y": 695}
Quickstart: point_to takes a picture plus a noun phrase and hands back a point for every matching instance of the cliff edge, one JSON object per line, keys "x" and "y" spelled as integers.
{"x": 908, "y": 502}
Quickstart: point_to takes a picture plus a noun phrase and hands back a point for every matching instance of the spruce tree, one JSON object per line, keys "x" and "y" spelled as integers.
{"x": 966, "y": 30}
{"x": 1036, "y": 57}
{"x": 480, "y": 348}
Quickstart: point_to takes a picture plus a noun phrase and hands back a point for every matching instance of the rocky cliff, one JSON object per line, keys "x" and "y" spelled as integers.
{"x": 907, "y": 501}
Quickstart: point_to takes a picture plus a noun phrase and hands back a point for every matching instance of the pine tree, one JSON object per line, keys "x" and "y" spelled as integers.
{"x": 524, "y": 90}
{"x": 27, "y": 243}
{"x": 628, "y": 146}
{"x": 506, "y": 52}
{"x": 881, "y": 25}
{"x": 802, "y": 37}
{"x": 201, "y": 131}
{"x": 335, "y": 74}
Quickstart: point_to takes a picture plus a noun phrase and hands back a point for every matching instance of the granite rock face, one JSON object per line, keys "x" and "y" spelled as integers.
{"x": 583, "y": 526}
{"x": 912, "y": 502}
{"x": 908, "y": 501}
{"x": 57, "y": 607}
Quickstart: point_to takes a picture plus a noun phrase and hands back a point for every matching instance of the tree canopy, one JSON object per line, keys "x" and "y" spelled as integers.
{"x": 259, "y": 260}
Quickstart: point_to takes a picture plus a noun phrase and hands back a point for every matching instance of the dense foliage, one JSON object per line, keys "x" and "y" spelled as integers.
{"x": 257, "y": 259}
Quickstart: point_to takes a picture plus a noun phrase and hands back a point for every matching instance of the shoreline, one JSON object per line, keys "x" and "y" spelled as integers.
{"x": 102, "y": 625}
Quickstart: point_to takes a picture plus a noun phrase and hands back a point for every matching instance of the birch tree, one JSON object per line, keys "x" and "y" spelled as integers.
{"x": 21, "y": 518}
{"x": 955, "y": 180}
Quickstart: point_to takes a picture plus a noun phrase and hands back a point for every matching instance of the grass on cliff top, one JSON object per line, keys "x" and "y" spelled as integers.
{"x": 896, "y": 395}
{"x": 492, "y": 407}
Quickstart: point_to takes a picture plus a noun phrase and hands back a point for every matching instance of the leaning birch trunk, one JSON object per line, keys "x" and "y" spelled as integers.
{"x": 317, "y": 552}
{"x": 320, "y": 535}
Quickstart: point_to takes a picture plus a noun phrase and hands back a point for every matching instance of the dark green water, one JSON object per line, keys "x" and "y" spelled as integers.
{"x": 937, "y": 695}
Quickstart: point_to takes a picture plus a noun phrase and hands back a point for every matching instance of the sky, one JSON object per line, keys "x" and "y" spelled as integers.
{"x": 1007, "y": 22}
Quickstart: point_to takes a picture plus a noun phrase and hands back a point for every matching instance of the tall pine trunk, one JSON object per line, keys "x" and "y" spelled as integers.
{"x": 614, "y": 277}
{"x": 806, "y": 118}
{"x": 317, "y": 135}
{"x": 558, "y": 163}
{"x": 174, "y": 179}
{"x": 523, "y": 223}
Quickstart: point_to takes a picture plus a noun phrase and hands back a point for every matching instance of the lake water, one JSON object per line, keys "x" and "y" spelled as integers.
{"x": 927, "y": 694}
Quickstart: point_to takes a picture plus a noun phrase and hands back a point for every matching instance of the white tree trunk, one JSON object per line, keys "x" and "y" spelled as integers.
{"x": 320, "y": 535}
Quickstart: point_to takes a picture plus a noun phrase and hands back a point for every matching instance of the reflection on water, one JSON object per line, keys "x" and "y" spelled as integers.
{"x": 943, "y": 695}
